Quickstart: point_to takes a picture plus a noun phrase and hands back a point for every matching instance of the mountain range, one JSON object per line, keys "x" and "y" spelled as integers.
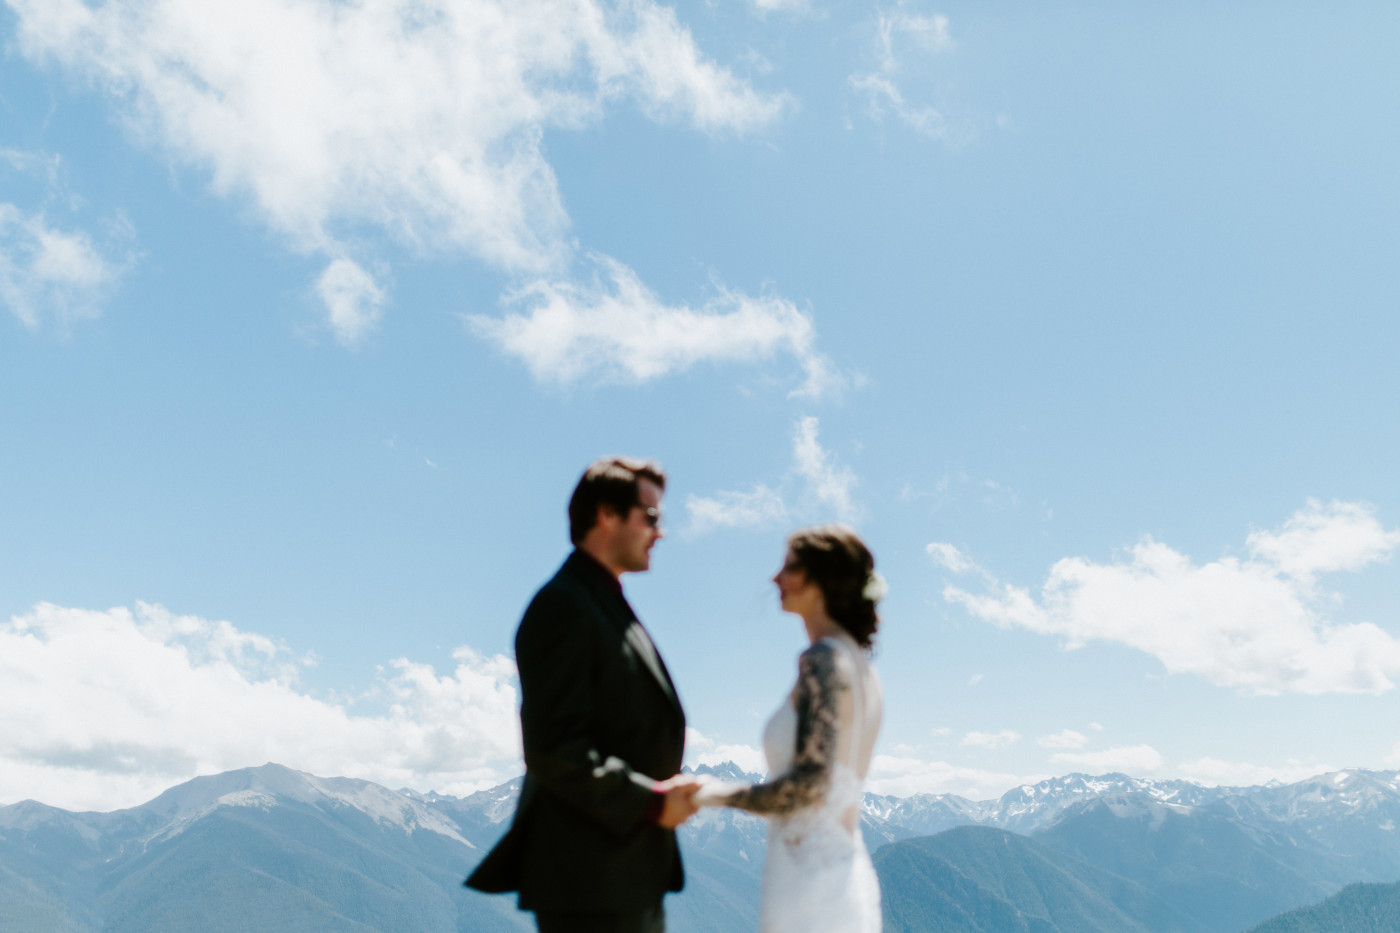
{"x": 274, "y": 849}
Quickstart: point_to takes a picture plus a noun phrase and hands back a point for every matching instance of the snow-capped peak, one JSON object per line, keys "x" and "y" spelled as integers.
{"x": 272, "y": 785}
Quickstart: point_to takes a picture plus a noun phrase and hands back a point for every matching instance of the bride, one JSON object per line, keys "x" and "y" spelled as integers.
{"x": 818, "y": 876}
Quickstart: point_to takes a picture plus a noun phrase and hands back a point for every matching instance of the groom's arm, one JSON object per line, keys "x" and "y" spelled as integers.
{"x": 557, "y": 658}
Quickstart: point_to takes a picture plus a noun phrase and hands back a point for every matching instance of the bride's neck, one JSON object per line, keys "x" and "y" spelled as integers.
{"x": 821, "y": 625}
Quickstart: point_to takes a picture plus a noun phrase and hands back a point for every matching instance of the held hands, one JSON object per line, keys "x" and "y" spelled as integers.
{"x": 715, "y": 793}
{"x": 687, "y": 793}
{"x": 680, "y": 804}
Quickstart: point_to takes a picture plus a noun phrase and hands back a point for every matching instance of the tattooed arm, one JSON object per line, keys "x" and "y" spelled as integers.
{"x": 823, "y": 682}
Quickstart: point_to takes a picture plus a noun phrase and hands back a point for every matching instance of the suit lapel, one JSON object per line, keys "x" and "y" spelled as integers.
{"x": 642, "y": 644}
{"x": 619, "y": 612}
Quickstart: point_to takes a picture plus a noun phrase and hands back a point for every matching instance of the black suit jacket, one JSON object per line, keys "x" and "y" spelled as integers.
{"x": 600, "y": 720}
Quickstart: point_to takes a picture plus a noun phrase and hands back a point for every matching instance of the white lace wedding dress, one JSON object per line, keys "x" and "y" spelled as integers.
{"x": 818, "y": 877}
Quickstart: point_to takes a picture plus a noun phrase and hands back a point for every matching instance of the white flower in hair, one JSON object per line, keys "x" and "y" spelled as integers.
{"x": 875, "y": 587}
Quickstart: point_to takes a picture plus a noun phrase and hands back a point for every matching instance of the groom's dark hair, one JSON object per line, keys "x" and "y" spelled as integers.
{"x": 610, "y": 482}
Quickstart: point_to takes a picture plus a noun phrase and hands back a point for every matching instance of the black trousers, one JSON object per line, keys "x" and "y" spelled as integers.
{"x": 632, "y": 921}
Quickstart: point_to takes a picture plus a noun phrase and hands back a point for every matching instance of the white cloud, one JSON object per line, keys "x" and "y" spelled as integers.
{"x": 884, "y": 96}
{"x": 420, "y": 119}
{"x": 1323, "y": 538}
{"x": 702, "y": 750}
{"x": 1067, "y": 738}
{"x": 906, "y": 776}
{"x": 620, "y": 331}
{"x": 760, "y": 507}
{"x": 46, "y": 270}
{"x": 1136, "y": 760}
{"x": 1255, "y": 624}
{"x": 992, "y": 740}
{"x": 781, "y": 6}
{"x": 831, "y": 484}
{"x": 352, "y": 298}
{"x": 1216, "y": 772}
{"x": 927, "y": 32}
{"x": 946, "y": 556}
{"x": 897, "y": 33}
{"x": 51, "y": 269}
{"x": 48, "y": 168}
{"x": 820, "y": 487}
{"x": 108, "y": 708}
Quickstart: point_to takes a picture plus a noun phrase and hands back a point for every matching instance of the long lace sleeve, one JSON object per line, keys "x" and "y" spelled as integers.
{"x": 823, "y": 688}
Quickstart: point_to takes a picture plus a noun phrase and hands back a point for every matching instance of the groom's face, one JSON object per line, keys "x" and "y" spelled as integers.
{"x": 639, "y": 530}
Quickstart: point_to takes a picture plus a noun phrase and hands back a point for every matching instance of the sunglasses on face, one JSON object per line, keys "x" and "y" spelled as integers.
{"x": 651, "y": 515}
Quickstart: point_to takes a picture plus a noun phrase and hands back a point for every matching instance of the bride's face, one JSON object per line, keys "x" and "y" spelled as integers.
{"x": 796, "y": 593}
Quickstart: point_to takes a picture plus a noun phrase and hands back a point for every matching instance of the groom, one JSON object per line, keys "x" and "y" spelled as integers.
{"x": 593, "y": 844}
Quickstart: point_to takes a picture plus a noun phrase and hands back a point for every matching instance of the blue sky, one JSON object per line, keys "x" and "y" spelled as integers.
{"x": 314, "y": 312}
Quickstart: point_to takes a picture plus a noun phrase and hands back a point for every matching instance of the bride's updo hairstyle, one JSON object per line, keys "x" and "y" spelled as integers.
{"x": 839, "y": 563}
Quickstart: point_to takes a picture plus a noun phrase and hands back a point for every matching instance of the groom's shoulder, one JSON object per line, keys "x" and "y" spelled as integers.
{"x": 562, "y": 612}
{"x": 567, "y": 580}
{"x": 561, "y": 594}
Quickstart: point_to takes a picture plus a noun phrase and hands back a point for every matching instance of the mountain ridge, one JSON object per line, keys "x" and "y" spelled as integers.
{"x": 346, "y": 854}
